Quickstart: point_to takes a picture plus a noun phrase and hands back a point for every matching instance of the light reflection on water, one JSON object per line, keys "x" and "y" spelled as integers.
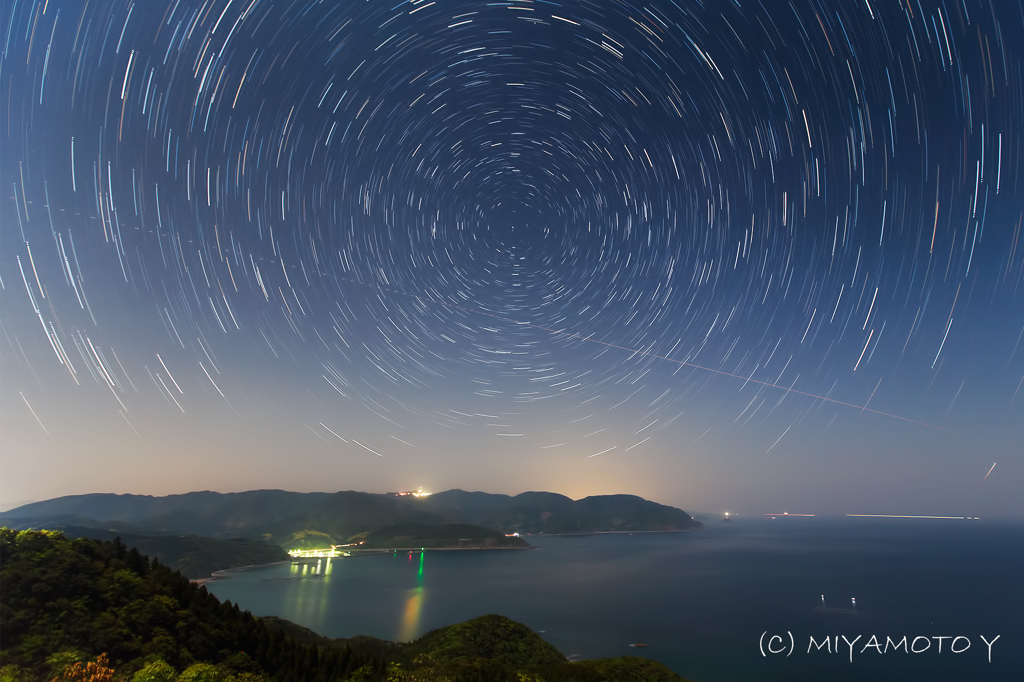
{"x": 700, "y": 600}
{"x": 413, "y": 606}
{"x": 309, "y": 596}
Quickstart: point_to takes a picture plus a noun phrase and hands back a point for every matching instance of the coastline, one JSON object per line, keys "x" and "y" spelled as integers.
{"x": 224, "y": 573}
{"x": 367, "y": 552}
{"x": 616, "y": 532}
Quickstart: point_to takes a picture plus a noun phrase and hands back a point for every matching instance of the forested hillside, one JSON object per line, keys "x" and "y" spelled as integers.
{"x": 82, "y": 610}
{"x": 301, "y": 520}
{"x": 66, "y": 602}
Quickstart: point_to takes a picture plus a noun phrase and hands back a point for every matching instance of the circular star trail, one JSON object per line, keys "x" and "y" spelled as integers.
{"x": 692, "y": 246}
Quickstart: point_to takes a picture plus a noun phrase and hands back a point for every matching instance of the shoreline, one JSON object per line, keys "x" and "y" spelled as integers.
{"x": 615, "y": 532}
{"x": 367, "y": 552}
{"x": 224, "y": 572}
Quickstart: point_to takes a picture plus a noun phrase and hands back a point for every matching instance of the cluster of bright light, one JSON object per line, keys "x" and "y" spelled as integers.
{"x": 419, "y": 492}
{"x": 329, "y": 553}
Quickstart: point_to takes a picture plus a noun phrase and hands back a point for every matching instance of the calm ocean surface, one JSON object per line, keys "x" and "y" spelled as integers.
{"x": 706, "y": 602}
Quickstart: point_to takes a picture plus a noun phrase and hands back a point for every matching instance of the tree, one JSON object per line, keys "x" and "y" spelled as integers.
{"x": 14, "y": 673}
{"x": 203, "y": 672}
{"x": 156, "y": 671}
{"x": 87, "y": 671}
{"x": 62, "y": 660}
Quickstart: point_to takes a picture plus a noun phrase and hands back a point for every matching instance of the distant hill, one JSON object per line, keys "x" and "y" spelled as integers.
{"x": 81, "y": 609}
{"x": 200, "y": 513}
{"x": 541, "y": 512}
{"x": 193, "y": 555}
{"x": 297, "y": 520}
{"x": 437, "y": 536}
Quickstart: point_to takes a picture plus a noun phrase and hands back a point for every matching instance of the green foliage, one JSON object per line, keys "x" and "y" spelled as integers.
{"x": 194, "y": 556}
{"x": 293, "y": 630}
{"x": 156, "y": 671}
{"x": 198, "y": 557}
{"x": 203, "y": 672}
{"x": 84, "y": 598}
{"x": 488, "y": 637}
{"x": 240, "y": 663}
{"x": 622, "y": 669}
{"x": 79, "y": 610}
{"x": 496, "y": 649}
{"x": 365, "y": 674}
{"x": 62, "y": 660}
{"x": 14, "y": 673}
{"x": 632, "y": 669}
{"x": 308, "y": 539}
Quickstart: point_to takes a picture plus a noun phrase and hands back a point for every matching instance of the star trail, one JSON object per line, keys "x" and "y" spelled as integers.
{"x": 715, "y": 253}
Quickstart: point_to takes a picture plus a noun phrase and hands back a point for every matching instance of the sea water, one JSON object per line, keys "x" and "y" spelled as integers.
{"x": 756, "y": 599}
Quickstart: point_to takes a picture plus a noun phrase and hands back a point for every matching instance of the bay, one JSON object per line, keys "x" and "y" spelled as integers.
{"x": 707, "y": 603}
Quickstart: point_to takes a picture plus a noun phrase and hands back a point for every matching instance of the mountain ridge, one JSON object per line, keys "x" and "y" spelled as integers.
{"x": 295, "y": 520}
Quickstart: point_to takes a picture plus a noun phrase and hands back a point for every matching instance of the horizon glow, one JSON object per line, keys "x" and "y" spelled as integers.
{"x": 718, "y": 257}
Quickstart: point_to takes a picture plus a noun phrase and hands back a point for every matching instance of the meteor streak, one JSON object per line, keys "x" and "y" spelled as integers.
{"x": 990, "y": 470}
{"x": 636, "y": 351}
{"x": 34, "y": 414}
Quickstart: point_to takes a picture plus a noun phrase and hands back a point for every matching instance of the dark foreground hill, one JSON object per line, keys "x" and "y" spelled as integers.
{"x": 193, "y": 555}
{"x": 303, "y": 520}
{"x": 81, "y": 610}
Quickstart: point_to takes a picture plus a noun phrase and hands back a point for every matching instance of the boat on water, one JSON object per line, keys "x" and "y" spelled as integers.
{"x": 638, "y": 645}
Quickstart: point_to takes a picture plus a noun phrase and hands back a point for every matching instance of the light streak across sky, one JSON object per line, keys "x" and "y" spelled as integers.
{"x": 700, "y": 252}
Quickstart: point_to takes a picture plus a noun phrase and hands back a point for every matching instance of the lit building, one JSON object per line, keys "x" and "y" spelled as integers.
{"x": 419, "y": 492}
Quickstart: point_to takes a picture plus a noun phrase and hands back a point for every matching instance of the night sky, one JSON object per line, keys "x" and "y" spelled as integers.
{"x": 748, "y": 256}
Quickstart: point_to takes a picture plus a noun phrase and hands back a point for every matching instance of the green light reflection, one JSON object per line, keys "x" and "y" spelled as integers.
{"x": 413, "y": 606}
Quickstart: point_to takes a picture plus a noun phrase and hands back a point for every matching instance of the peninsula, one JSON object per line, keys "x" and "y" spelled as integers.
{"x": 201, "y": 532}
